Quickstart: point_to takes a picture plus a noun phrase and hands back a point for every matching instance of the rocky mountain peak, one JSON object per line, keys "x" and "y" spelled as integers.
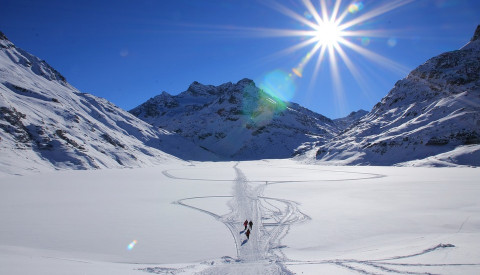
{"x": 165, "y": 94}
{"x": 2, "y": 36}
{"x": 237, "y": 121}
{"x": 476, "y": 35}
{"x": 474, "y": 43}
{"x": 358, "y": 113}
{"x": 198, "y": 89}
{"x": 246, "y": 81}
{"x": 4, "y": 42}
{"x": 29, "y": 61}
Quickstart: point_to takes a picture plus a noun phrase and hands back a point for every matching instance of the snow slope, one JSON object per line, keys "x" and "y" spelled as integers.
{"x": 433, "y": 113}
{"x": 45, "y": 123}
{"x": 187, "y": 219}
{"x": 237, "y": 121}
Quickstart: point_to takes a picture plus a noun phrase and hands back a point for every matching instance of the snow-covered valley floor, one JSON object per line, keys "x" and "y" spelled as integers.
{"x": 188, "y": 218}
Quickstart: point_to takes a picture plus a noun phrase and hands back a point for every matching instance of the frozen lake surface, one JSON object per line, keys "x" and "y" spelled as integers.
{"x": 187, "y": 218}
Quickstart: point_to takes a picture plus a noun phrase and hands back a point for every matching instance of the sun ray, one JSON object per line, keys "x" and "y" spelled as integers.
{"x": 289, "y": 50}
{"x": 338, "y": 87}
{"x": 354, "y": 71}
{"x": 297, "y": 47}
{"x": 335, "y": 10}
{"x": 387, "y": 63}
{"x": 328, "y": 34}
{"x": 321, "y": 55}
{"x": 351, "y": 67}
{"x": 342, "y": 16}
{"x": 323, "y": 7}
{"x": 374, "y": 13}
{"x": 308, "y": 4}
{"x": 250, "y": 31}
{"x": 299, "y": 69}
{"x": 268, "y": 32}
{"x": 368, "y": 33}
{"x": 288, "y": 12}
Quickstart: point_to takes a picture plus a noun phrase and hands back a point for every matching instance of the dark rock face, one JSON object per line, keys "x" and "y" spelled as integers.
{"x": 476, "y": 35}
{"x": 11, "y": 121}
{"x": 2, "y": 36}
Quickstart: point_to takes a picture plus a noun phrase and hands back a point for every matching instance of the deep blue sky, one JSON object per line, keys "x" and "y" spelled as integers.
{"x": 129, "y": 51}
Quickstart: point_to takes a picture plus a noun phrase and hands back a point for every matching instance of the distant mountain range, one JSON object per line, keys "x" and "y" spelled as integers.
{"x": 429, "y": 118}
{"x": 237, "y": 121}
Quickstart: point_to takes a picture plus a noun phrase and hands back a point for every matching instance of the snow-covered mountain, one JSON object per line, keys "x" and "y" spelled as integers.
{"x": 47, "y": 123}
{"x": 432, "y": 117}
{"x": 237, "y": 121}
{"x": 353, "y": 118}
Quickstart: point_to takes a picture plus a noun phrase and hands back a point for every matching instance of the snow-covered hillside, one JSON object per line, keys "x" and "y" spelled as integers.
{"x": 237, "y": 121}
{"x": 47, "y": 123}
{"x": 432, "y": 117}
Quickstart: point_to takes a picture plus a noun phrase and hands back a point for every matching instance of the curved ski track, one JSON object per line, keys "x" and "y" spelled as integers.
{"x": 272, "y": 218}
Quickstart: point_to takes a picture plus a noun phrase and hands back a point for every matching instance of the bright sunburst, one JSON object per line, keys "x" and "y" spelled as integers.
{"x": 329, "y": 28}
{"x": 329, "y": 33}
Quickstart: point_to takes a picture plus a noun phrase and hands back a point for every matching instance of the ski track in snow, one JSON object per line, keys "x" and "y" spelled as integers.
{"x": 272, "y": 218}
{"x": 373, "y": 267}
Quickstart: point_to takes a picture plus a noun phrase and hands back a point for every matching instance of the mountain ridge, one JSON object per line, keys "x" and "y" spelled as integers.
{"x": 233, "y": 119}
{"x": 429, "y": 118}
{"x": 433, "y": 111}
{"x": 45, "y": 123}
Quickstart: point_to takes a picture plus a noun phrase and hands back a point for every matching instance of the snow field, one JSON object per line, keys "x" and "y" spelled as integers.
{"x": 187, "y": 219}
{"x": 94, "y": 215}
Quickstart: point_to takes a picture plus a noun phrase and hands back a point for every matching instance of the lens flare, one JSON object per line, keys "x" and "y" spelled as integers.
{"x": 392, "y": 42}
{"x": 365, "y": 41}
{"x": 297, "y": 71}
{"x": 132, "y": 244}
{"x": 355, "y": 7}
{"x": 307, "y": 15}
{"x": 331, "y": 28}
{"x": 261, "y": 105}
{"x": 330, "y": 31}
{"x": 279, "y": 84}
{"x": 124, "y": 53}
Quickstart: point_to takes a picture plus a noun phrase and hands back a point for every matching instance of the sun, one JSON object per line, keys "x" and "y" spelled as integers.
{"x": 330, "y": 28}
{"x": 332, "y": 32}
{"x": 328, "y": 33}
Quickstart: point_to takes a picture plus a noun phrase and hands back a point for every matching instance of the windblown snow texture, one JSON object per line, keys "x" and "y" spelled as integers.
{"x": 47, "y": 123}
{"x": 429, "y": 118}
{"x": 237, "y": 121}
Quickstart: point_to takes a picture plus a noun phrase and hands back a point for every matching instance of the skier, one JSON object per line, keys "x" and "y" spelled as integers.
{"x": 245, "y": 224}
{"x": 251, "y": 224}
{"x": 248, "y": 234}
